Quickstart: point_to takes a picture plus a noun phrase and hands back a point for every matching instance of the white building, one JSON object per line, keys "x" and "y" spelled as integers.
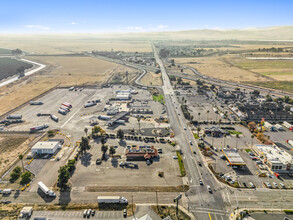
{"x": 46, "y": 147}
{"x": 278, "y": 160}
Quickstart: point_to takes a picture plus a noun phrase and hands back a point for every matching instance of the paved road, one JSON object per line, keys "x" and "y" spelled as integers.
{"x": 202, "y": 203}
{"x": 28, "y": 73}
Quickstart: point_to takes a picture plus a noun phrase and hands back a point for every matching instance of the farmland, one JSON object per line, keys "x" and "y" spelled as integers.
{"x": 285, "y": 86}
{"x": 10, "y": 66}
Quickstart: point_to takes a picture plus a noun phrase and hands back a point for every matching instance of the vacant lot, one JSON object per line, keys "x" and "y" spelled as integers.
{"x": 216, "y": 67}
{"x": 152, "y": 79}
{"x": 10, "y": 148}
{"x": 46, "y": 44}
{"x": 62, "y": 71}
{"x": 285, "y": 86}
{"x": 10, "y": 66}
{"x": 275, "y": 69}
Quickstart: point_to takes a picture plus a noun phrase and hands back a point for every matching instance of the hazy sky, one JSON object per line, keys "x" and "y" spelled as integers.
{"x": 136, "y": 15}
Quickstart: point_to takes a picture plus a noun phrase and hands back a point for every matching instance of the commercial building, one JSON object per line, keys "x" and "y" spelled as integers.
{"x": 46, "y": 147}
{"x": 233, "y": 157}
{"x": 277, "y": 159}
{"x": 141, "y": 153}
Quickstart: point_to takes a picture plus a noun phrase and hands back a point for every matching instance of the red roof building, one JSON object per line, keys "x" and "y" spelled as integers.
{"x": 141, "y": 153}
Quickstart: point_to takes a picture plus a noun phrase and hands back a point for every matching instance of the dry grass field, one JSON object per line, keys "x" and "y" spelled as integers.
{"x": 152, "y": 79}
{"x": 46, "y": 44}
{"x": 216, "y": 67}
{"x": 60, "y": 71}
{"x": 10, "y": 147}
{"x": 275, "y": 69}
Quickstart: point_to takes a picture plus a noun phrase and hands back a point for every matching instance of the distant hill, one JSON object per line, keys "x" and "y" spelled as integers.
{"x": 270, "y": 33}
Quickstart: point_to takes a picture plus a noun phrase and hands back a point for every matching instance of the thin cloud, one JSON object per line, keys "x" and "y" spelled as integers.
{"x": 37, "y": 27}
{"x": 135, "y": 28}
{"x": 73, "y": 23}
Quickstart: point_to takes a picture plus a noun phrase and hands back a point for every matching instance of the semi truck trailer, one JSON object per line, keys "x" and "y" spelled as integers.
{"x": 39, "y": 127}
{"x": 112, "y": 200}
{"x": 14, "y": 117}
{"x": 54, "y": 118}
{"x": 45, "y": 189}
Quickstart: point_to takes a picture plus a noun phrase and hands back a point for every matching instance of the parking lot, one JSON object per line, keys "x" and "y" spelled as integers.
{"x": 110, "y": 173}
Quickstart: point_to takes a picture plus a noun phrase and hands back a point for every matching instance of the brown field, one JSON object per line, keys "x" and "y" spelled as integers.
{"x": 216, "y": 67}
{"x": 47, "y": 44}
{"x": 152, "y": 79}
{"x": 276, "y": 69}
{"x": 10, "y": 147}
{"x": 61, "y": 71}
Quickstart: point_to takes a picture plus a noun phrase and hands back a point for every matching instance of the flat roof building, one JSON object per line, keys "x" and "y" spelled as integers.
{"x": 277, "y": 159}
{"x": 141, "y": 153}
{"x": 233, "y": 157}
{"x": 46, "y": 147}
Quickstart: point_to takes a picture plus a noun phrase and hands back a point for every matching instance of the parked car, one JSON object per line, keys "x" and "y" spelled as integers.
{"x": 209, "y": 189}
{"x": 190, "y": 142}
{"x": 85, "y": 213}
{"x": 283, "y": 185}
{"x": 251, "y": 185}
{"x": 200, "y": 182}
{"x": 93, "y": 212}
{"x": 124, "y": 213}
{"x": 175, "y": 157}
{"x": 269, "y": 185}
{"x": 88, "y": 214}
{"x": 199, "y": 163}
{"x": 275, "y": 184}
{"x": 194, "y": 152}
{"x": 98, "y": 161}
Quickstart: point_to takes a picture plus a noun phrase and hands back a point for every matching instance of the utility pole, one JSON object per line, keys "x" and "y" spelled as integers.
{"x": 157, "y": 200}
{"x": 132, "y": 205}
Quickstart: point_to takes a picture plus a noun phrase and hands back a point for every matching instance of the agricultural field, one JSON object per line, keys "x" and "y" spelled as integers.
{"x": 275, "y": 69}
{"x": 9, "y": 67}
{"x": 5, "y": 51}
{"x": 152, "y": 79}
{"x": 60, "y": 71}
{"x": 71, "y": 44}
{"x": 217, "y": 67}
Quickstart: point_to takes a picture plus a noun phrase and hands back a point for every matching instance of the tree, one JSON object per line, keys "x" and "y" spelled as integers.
{"x": 63, "y": 177}
{"x": 112, "y": 151}
{"x": 120, "y": 134}
{"x": 85, "y": 131}
{"x": 21, "y": 157}
{"x": 252, "y": 136}
{"x": 16, "y": 52}
{"x": 286, "y": 99}
{"x": 103, "y": 140}
{"x": 20, "y": 71}
{"x": 104, "y": 149}
{"x": 179, "y": 80}
{"x": 268, "y": 98}
{"x": 71, "y": 165}
{"x": 15, "y": 174}
{"x": 198, "y": 130}
{"x": 84, "y": 145}
{"x": 25, "y": 178}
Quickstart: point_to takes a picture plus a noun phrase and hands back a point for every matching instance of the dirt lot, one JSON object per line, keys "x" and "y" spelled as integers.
{"x": 10, "y": 147}
{"x": 152, "y": 79}
{"x": 62, "y": 71}
{"x": 216, "y": 67}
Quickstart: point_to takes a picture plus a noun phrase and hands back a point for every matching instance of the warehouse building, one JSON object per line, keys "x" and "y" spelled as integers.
{"x": 277, "y": 159}
{"x": 141, "y": 153}
{"x": 46, "y": 147}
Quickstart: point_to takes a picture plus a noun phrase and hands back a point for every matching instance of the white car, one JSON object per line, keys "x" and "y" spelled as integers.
{"x": 175, "y": 157}
{"x": 184, "y": 128}
{"x": 283, "y": 185}
{"x": 275, "y": 184}
{"x": 209, "y": 189}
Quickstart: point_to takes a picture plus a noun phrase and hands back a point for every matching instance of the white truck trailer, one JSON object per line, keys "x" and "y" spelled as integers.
{"x": 45, "y": 189}
{"x": 26, "y": 212}
{"x": 112, "y": 200}
{"x": 54, "y": 118}
{"x": 39, "y": 127}
{"x": 14, "y": 117}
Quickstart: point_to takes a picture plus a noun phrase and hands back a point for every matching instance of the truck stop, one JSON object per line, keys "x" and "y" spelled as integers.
{"x": 233, "y": 157}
